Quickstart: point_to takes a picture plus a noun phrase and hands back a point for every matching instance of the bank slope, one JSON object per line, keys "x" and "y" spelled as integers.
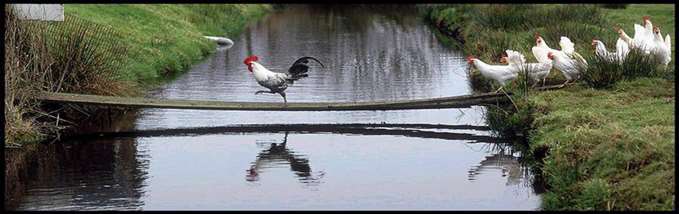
{"x": 608, "y": 149}
{"x": 165, "y": 38}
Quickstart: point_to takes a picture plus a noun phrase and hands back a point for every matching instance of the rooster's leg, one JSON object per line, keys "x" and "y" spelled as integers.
{"x": 564, "y": 84}
{"x": 543, "y": 81}
{"x": 259, "y": 92}
{"x": 285, "y": 100}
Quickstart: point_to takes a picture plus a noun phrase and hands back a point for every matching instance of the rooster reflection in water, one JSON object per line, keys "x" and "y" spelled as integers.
{"x": 278, "y": 153}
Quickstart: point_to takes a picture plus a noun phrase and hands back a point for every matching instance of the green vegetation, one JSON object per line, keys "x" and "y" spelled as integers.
{"x": 609, "y": 149}
{"x": 603, "y": 73}
{"x": 166, "y": 38}
{"x": 105, "y": 50}
{"x": 604, "y": 149}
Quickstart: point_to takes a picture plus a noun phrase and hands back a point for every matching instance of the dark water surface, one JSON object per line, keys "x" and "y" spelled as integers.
{"x": 386, "y": 56}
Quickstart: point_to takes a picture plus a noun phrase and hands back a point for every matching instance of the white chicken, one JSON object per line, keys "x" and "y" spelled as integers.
{"x": 567, "y": 55}
{"x": 277, "y": 82}
{"x": 541, "y": 49}
{"x": 569, "y": 67}
{"x": 621, "y": 51}
{"x": 566, "y": 45}
{"x": 536, "y": 71}
{"x": 648, "y": 26}
{"x": 662, "y": 47}
{"x": 643, "y": 36}
{"x": 500, "y": 73}
{"x": 568, "y": 48}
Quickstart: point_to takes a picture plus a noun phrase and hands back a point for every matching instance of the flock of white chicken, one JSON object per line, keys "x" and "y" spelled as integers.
{"x": 646, "y": 38}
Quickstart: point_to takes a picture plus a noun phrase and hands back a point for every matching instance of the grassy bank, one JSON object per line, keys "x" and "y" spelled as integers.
{"x": 105, "y": 49}
{"x": 165, "y": 38}
{"x": 606, "y": 149}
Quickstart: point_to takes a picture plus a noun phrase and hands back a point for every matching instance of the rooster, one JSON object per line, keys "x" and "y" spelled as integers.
{"x": 541, "y": 49}
{"x": 277, "y": 82}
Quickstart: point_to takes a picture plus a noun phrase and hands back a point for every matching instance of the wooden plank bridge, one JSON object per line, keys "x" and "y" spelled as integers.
{"x": 463, "y": 101}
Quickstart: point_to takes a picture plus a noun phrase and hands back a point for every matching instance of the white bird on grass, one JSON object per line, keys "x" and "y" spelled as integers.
{"x": 500, "y": 73}
{"x": 619, "y": 55}
{"x": 536, "y": 71}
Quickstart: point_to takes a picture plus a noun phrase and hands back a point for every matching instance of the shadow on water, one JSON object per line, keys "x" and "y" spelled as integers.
{"x": 277, "y": 155}
{"x": 408, "y": 130}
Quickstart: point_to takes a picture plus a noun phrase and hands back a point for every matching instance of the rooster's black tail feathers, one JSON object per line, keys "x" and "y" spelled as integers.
{"x": 300, "y": 68}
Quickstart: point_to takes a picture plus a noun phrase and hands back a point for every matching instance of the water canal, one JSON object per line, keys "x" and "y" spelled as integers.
{"x": 368, "y": 56}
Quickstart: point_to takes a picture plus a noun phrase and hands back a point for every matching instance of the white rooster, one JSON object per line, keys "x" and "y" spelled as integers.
{"x": 662, "y": 47}
{"x": 541, "y": 49}
{"x": 621, "y": 51}
{"x": 536, "y": 71}
{"x": 569, "y": 67}
{"x": 568, "y": 48}
{"x": 643, "y": 36}
{"x": 499, "y": 73}
{"x": 648, "y": 26}
{"x": 277, "y": 82}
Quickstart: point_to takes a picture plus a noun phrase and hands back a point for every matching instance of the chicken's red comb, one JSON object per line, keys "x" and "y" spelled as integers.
{"x": 646, "y": 17}
{"x": 250, "y": 59}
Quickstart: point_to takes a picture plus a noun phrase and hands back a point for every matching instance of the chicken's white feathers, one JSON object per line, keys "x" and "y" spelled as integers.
{"x": 621, "y": 49}
{"x": 566, "y": 45}
{"x": 515, "y": 57}
{"x": 541, "y": 54}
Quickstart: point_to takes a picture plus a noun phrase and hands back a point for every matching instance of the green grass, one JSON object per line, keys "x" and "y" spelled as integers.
{"x": 617, "y": 143}
{"x": 166, "y": 38}
{"x": 603, "y": 149}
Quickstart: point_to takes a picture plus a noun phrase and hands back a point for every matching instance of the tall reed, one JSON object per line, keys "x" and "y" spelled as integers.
{"x": 604, "y": 73}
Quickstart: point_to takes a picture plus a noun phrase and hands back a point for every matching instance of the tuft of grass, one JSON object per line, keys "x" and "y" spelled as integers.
{"x": 69, "y": 56}
{"x": 85, "y": 58}
{"x": 603, "y": 73}
{"x": 637, "y": 64}
{"x": 24, "y": 57}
